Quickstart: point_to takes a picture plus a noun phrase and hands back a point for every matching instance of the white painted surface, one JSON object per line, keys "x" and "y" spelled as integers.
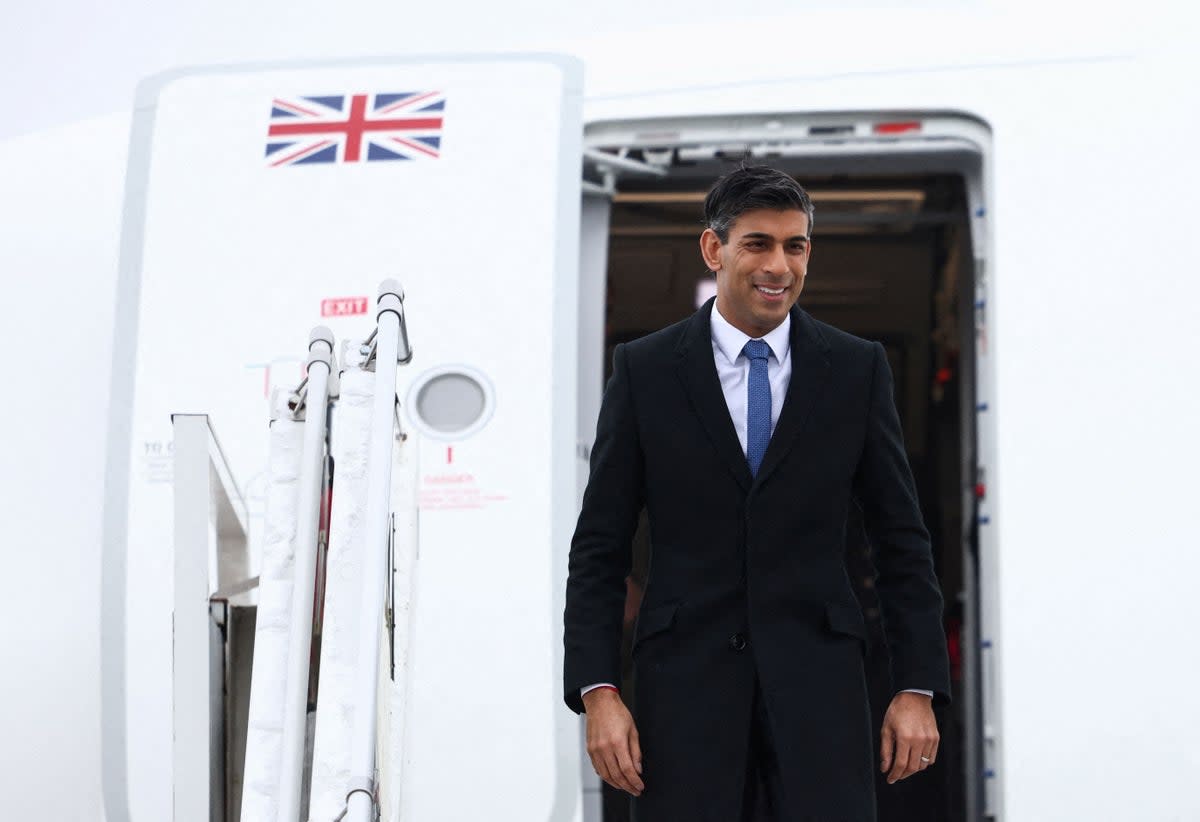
{"x": 197, "y": 653}
{"x": 59, "y": 220}
{"x": 394, "y": 739}
{"x": 264, "y": 742}
{"x": 255, "y": 249}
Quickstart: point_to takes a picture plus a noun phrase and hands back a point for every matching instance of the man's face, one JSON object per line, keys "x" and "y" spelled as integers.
{"x": 760, "y": 270}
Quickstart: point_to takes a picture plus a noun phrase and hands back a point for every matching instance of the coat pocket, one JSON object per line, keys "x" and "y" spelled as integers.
{"x": 847, "y": 620}
{"x": 654, "y": 621}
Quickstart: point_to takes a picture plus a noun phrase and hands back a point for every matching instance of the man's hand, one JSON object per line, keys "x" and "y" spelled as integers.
{"x": 612, "y": 740}
{"x": 909, "y": 733}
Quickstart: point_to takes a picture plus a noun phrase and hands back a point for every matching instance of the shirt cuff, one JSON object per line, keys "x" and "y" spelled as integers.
{"x": 917, "y": 691}
{"x": 583, "y": 691}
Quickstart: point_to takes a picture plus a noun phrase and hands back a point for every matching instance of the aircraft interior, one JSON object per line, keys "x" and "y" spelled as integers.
{"x": 892, "y": 261}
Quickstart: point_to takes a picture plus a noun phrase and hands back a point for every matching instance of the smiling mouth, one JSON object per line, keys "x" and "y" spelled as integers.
{"x": 771, "y": 292}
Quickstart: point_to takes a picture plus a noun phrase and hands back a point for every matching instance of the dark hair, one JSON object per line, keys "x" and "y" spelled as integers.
{"x": 751, "y": 187}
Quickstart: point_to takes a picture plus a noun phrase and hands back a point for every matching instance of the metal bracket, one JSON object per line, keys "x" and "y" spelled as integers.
{"x": 298, "y": 400}
{"x": 389, "y": 610}
{"x": 606, "y": 188}
{"x": 360, "y": 784}
{"x": 391, "y": 298}
{"x": 368, "y": 350}
{"x": 605, "y": 162}
{"x": 233, "y": 589}
{"x": 608, "y": 166}
{"x": 401, "y": 436}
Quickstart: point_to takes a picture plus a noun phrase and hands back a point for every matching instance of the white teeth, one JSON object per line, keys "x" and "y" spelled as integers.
{"x": 771, "y": 291}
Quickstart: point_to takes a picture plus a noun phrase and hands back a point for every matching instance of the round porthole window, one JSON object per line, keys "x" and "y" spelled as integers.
{"x": 450, "y": 402}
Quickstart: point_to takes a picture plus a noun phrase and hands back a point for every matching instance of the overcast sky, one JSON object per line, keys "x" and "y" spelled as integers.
{"x": 65, "y": 60}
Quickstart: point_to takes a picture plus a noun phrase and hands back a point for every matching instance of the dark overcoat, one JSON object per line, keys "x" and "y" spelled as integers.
{"x": 747, "y": 579}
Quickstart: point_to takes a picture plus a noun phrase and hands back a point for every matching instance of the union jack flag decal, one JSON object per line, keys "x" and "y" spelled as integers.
{"x": 351, "y": 128}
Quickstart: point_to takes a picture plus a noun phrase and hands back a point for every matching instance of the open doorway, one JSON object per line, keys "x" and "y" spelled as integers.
{"x": 898, "y": 256}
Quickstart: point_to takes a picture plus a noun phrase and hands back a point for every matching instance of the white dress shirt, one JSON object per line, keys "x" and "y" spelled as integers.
{"x": 733, "y": 370}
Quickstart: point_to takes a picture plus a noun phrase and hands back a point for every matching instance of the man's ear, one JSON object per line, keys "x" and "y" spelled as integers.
{"x": 710, "y": 249}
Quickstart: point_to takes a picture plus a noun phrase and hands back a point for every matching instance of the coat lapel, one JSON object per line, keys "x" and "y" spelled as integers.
{"x": 698, "y": 372}
{"x": 810, "y": 374}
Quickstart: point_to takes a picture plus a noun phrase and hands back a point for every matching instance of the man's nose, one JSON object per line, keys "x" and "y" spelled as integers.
{"x": 776, "y": 262}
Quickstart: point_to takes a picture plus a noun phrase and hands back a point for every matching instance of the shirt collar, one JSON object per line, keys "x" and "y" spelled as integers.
{"x": 731, "y": 341}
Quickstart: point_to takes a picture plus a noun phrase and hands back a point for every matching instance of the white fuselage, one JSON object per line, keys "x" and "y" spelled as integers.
{"x": 1081, "y": 193}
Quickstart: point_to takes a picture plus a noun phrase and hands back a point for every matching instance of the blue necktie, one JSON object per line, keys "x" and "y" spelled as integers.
{"x": 758, "y": 404}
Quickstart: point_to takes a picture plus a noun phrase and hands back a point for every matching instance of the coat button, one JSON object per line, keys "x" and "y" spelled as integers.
{"x": 737, "y": 642}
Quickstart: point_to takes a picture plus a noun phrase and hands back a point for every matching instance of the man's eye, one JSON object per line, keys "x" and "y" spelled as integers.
{"x": 755, "y": 244}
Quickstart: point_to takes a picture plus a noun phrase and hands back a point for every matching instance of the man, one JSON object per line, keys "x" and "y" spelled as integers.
{"x": 746, "y": 431}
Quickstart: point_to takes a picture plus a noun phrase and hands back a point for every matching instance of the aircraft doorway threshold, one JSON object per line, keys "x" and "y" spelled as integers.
{"x": 901, "y": 252}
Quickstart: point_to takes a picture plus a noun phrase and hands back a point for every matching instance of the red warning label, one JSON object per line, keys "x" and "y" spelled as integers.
{"x": 454, "y": 492}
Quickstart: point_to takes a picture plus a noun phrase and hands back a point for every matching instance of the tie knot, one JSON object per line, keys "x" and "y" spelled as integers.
{"x": 756, "y": 350}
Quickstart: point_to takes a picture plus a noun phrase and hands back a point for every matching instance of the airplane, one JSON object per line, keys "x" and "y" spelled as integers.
{"x": 1003, "y": 206}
